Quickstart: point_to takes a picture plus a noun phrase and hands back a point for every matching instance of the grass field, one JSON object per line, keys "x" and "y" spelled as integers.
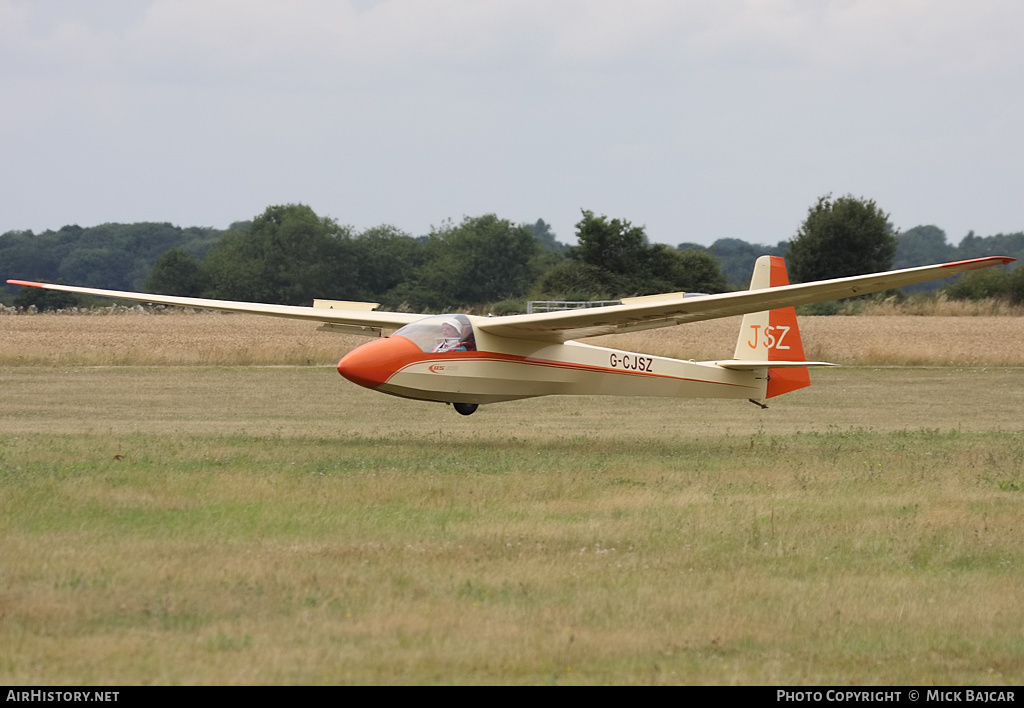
{"x": 275, "y": 524}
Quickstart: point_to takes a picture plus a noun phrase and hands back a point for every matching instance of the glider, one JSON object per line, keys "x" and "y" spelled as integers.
{"x": 466, "y": 361}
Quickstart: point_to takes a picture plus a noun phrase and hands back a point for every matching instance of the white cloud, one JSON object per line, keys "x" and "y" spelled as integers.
{"x": 234, "y": 37}
{"x": 449, "y": 107}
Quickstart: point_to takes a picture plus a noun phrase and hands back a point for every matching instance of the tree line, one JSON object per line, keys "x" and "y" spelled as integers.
{"x": 290, "y": 255}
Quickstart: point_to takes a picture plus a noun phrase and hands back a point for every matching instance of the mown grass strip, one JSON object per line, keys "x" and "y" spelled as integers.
{"x": 848, "y": 555}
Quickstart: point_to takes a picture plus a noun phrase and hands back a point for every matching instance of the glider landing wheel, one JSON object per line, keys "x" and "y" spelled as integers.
{"x": 465, "y": 408}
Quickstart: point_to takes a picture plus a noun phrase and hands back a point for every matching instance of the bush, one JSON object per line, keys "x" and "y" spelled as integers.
{"x": 980, "y": 285}
{"x": 505, "y": 307}
{"x": 44, "y": 300}
{"x": 574, "y": 280}
{"x": 1015, "y": 286}
{"x": 814, "y": 309}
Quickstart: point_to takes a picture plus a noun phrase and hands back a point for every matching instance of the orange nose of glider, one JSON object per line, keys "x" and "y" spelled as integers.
{"x": 373, "y": 363}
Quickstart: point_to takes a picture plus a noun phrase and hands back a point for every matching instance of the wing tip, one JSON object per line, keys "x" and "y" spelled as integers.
{"x": 981, "y": 262}
{"x": 26, "y": 283}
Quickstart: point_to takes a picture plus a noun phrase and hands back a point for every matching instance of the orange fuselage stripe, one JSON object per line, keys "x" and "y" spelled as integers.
{"x": 549, "y": 363}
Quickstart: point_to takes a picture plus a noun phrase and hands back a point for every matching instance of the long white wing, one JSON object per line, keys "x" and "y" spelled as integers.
{"x": 576, "y": 324}
{"x": 357, "y": 318}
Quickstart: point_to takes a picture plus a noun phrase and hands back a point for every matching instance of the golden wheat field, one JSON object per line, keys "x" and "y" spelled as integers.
{"x": 172, "y": 514}
{"x": 173, "y": 338}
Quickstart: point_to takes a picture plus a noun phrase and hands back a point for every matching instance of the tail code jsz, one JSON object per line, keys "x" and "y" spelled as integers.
{"x": 772, "y": 337}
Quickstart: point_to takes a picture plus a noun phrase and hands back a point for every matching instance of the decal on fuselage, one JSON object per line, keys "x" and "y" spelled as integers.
{"x": 631, "y": 362}
{"x": 773, "y": 337}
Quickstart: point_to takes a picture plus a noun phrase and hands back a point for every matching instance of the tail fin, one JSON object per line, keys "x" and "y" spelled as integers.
{"x": 773, "y": 335}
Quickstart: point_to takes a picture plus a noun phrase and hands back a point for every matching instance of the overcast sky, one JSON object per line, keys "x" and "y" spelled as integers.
{"x": 701, "y": 120}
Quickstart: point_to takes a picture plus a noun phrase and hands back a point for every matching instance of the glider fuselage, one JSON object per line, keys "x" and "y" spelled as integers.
{"x": 504, "y": 369}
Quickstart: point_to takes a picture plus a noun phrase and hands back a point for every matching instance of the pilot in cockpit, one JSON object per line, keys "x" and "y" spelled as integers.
{"x": 451, "y": 338}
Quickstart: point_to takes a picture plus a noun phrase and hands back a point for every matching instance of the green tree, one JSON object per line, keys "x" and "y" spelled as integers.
{"x": 689, "y": 271}
{"x": 289, "y": 256}
{"x": 98, "y": 268}
{"x": 841, "y": 237}
{"x": 613, "y": 245}
{"x": 613, "y": 260}
{"x": 176, "y": 272}
{"x": 922, "y": 245}
{"x": 385, "y": 258}
{"x": 972, "y": 246}
{"x": 545, "y": 236}
{"x": 736, "y": 257}
{"x": 482, "y": 260}
{"x": 116, "y": 256}
{"x": 28, "y": 256}
{"x": 234, "y": 269}
{"x": 576, "y": 280}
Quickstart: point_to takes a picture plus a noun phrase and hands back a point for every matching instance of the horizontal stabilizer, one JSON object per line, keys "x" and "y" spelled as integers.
{"x": 750, "y": 365}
